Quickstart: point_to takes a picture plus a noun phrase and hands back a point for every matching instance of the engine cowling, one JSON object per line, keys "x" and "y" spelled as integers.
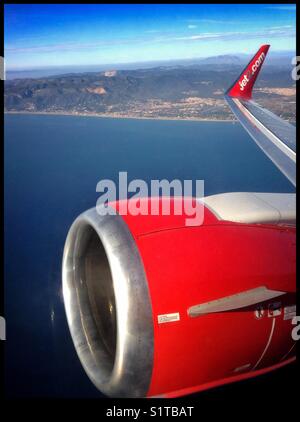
{"x": 158, "y": 308}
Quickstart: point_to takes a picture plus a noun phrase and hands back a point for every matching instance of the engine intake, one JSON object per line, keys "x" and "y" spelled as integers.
{"x": 108, "y": 305}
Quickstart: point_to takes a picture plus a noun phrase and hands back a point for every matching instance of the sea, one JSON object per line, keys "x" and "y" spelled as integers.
{"x": 52, "y": 164}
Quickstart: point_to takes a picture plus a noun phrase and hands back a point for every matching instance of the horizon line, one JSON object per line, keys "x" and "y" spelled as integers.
{"x": 47, "y": 67}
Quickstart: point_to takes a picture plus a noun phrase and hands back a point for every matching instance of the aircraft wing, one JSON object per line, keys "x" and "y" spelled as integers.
{"x": 276, "y": 137}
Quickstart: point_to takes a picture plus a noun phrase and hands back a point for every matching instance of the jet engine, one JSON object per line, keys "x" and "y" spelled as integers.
{"x": 157, "y": 308}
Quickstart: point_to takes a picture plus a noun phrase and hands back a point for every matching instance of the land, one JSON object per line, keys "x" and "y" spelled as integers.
{"x": 189, "y": 92}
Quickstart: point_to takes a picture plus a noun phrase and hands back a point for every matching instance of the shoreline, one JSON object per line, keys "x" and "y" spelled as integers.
{"x": 109, "y": 116}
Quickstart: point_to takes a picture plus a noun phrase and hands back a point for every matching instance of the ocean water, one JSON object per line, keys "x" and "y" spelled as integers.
{"x": 52, "y": 166}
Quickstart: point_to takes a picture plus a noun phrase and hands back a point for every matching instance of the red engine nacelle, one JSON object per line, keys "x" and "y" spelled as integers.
{"x": 158, "y": 308}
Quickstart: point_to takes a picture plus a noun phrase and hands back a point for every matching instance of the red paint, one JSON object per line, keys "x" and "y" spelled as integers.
{"x": 218, "y": 383}
{"x": 186, "y": 266}
{"x": 243, "y": 86}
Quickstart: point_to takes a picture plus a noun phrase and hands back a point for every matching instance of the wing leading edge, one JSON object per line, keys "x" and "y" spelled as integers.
{"x": 276, "y": 137}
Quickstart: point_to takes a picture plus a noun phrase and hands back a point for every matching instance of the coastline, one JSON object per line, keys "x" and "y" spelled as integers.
{"x": 115, "y": 116}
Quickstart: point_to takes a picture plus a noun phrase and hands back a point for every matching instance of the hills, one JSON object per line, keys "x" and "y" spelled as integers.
{"x": 189, "y": 90}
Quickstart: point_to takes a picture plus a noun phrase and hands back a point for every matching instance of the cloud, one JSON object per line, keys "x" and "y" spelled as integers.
{"x": 215, "y": 21}
{"x": 199, "y": 37}
{"x": 290, "y": 7}
{"x": 272, "y": 32}
{"x": 74, "y": 46}
{"x": 192, "y": 26}
{"x": 282, "y": 27}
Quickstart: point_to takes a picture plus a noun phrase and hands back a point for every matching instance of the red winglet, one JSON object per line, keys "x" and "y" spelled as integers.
{"x": 243, "y": 86}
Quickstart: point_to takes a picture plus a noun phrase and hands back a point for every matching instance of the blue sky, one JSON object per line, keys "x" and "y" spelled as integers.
{"x": 54, "y": 35}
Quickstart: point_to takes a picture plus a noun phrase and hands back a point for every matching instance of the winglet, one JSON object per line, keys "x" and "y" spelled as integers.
{"x": 243, "y": 86}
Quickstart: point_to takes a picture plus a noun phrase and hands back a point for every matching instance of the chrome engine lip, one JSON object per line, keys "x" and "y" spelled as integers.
{"x": 133, "y": 364}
